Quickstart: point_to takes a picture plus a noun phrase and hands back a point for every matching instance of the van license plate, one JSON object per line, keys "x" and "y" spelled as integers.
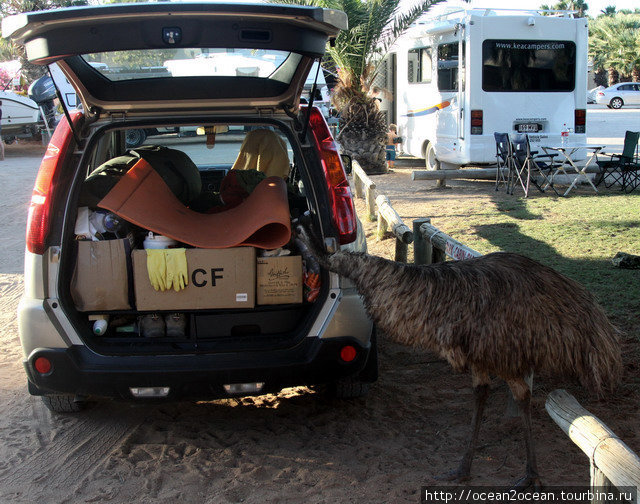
{"x": 528, "y": 128}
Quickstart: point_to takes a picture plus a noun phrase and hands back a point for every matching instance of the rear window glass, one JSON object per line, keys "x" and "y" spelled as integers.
{"x": 197, "y": 62}
{"x": 205, "y": 147}
{"x": 528, "y": 65}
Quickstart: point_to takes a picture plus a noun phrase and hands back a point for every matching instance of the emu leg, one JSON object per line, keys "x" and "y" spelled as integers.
{"x": 522, "y": 395}
{"x": 480, "y": 392}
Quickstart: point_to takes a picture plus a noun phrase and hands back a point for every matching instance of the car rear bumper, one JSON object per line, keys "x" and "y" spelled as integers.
{"x": 79, "y": 371}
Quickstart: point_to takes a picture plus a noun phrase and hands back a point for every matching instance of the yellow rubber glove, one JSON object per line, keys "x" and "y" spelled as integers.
{"x": 176, "y": 261}
{"x": 156, "y": 268}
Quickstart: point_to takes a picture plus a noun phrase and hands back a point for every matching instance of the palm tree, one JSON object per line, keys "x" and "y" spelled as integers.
{"x": 610, "y": 10}
{"x": 374, "y": 25}
{"x": 613, "y": 44}
{"x": 576, "y": 5}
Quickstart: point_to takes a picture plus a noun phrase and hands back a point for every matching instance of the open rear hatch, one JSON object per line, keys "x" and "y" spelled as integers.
{"x": 134, "y": 58}
{"x": 169, "y": 68}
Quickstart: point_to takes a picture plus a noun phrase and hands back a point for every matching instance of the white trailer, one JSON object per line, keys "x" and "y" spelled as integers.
{"x": 461, "y": 76}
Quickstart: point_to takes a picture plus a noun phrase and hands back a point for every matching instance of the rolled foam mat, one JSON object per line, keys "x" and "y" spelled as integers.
{"x": 261, "y": 221}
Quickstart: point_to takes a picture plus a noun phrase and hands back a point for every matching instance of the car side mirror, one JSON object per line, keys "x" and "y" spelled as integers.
{"x": 347, "y": 163}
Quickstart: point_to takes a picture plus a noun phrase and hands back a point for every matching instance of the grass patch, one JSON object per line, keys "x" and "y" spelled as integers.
{"x": 577, "y": 235}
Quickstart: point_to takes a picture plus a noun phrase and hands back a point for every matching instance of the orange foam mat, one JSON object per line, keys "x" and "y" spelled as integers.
{"x": 262, "y": 220}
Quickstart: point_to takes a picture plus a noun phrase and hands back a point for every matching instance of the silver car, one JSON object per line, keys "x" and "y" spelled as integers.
{"x": 623, "y": 93}
{"x": 95, "y": 321}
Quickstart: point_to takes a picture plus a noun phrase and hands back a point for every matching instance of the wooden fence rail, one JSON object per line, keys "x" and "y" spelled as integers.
{"x": 612, "y": 462}
{"x": 365, "y": 188}
{"x": 387, "y": 217}
{"x": 432, "y": 245}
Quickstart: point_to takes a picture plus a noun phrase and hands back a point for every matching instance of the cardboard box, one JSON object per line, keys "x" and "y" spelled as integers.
{"x": 218, "y": 278}
{"x": 101, "y": 279}
{"x": 279, "y": 280}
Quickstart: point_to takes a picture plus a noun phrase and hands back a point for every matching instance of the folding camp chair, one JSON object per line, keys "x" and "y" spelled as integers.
{"x": 528, "y": 165}
{"x": 504, "y": 160}
{"x": 622, "y": 169}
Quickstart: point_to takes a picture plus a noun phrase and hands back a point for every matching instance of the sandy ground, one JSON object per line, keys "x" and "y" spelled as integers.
{"x": 297, "y": 446}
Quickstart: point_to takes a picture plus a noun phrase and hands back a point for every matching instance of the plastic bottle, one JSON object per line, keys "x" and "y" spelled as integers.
{"x": 100, "y": 325}
{"x": 564, "y": 135}
{"x": 152, "y": 241}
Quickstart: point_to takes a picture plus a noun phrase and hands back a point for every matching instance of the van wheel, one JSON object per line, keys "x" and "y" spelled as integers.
{"x": 430, "y": 159}
{"x": 62, "y": 403}
{"x": 616, "y": 103}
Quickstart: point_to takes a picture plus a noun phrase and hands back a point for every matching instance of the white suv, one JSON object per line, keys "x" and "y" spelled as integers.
{"x": 91, "y": 323}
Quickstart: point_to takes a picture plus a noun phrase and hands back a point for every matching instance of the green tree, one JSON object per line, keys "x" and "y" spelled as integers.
{"x": 610, "y": 10}
{"x": 576, "y": 5}
{"x": 374, "y": 25}
{"x": 614, "y": 45}
{"x": 8, "y": 50}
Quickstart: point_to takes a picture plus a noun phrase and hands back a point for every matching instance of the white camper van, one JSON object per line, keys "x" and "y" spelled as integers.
{"x": 461, "y": 76}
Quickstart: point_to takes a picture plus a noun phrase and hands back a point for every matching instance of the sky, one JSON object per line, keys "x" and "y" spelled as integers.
{"x": 595, "y": 6}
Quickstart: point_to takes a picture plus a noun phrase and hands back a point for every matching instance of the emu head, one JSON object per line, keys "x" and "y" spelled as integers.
{"x": 308, "y": 240}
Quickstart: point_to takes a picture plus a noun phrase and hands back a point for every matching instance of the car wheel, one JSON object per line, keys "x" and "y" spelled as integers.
{"x": 430, "y": 159}
{"x": 8, "y": 139}
{"x": 62, "y": 403}
{"x": 135, "y": 137}
{"x": 616, "y": 103}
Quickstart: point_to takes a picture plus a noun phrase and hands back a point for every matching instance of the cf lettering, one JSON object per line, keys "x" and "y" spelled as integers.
{"x": 214, "y": 276}
{"x": 199, "y": 276}
{"x": 194, "y": 280}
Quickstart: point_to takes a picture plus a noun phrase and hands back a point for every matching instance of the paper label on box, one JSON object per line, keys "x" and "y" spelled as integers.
{"x": 242, "y": 297}
{"x": 279, "y": 280}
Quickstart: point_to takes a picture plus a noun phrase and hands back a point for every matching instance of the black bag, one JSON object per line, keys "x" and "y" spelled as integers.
{"x": 174, "y": 166}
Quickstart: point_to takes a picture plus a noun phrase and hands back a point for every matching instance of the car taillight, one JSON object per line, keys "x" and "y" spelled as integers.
{"x": 580, "y": 121}
{"x": 476, "y": 122}
{"x": 38, "y": 222}
{"x": 600, "y": 93}
{"x": 342, "y": 210}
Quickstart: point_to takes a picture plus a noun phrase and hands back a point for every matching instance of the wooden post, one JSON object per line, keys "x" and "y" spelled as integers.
{"x": 357, "y": 186}
{"x": 438, "y": 255}
{"x": 382, "y": 229}
{"x": 370, "y": 199}
{"x": 402, "y": 251}
{"x": 464, "y": 173}
{"x": 612, "y": 460}
{"x": 421, "y": 247}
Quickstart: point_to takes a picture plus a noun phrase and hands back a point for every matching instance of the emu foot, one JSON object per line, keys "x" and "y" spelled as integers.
{"x": 460, "y": 474}
{"x": 528, "y": 481}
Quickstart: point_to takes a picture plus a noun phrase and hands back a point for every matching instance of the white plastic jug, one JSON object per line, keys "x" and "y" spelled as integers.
{"x": 152, "y": 241}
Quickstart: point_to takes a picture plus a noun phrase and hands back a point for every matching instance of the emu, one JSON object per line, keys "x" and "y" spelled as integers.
{"x": 501, "y": 315}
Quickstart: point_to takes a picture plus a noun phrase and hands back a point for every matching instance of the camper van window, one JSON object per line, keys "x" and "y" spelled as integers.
{"x": 528, "y": 65}
{"x": 419, "y": 65}
{"x": 448, "y": 66}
